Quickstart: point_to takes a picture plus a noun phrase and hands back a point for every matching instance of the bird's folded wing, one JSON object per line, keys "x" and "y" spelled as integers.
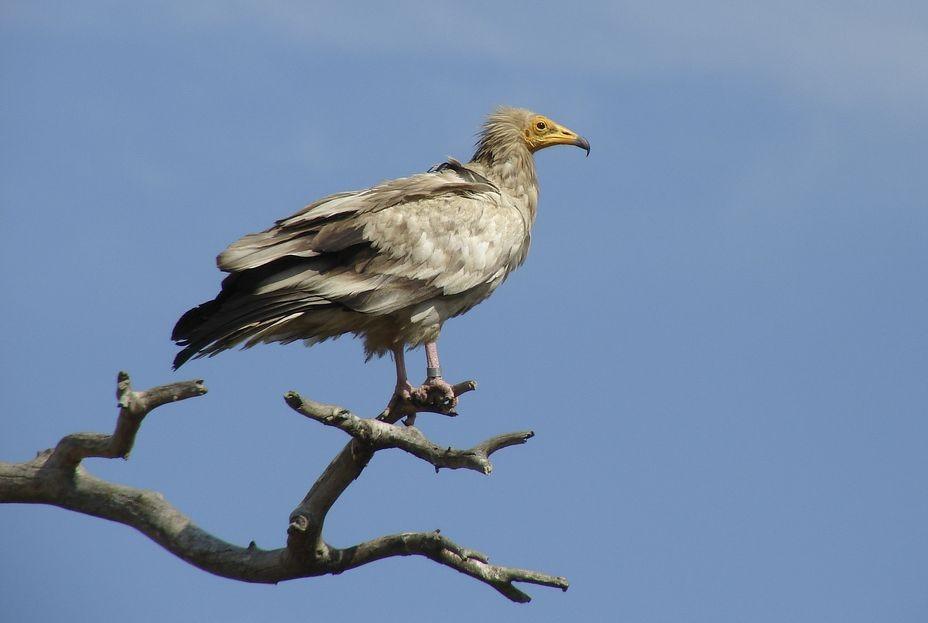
{"x": 322, "y": 225}
{"x": 387, "y": 247}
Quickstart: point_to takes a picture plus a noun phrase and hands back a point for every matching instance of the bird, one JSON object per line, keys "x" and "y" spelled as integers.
{"x": 390, "y": 263}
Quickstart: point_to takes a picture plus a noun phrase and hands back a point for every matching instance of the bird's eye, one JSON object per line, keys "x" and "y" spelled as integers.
{"x": 541, "y": 126}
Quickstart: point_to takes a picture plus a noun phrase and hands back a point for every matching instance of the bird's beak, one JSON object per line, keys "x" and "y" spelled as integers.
{"x": 564, "y": 136}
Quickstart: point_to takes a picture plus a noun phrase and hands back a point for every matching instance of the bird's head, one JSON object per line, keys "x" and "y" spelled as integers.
{"x": 508, "y": 128}
{"x": 540, "y": 132}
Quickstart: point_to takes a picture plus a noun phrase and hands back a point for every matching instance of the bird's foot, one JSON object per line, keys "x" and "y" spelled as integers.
{"x": 434, "y": 395}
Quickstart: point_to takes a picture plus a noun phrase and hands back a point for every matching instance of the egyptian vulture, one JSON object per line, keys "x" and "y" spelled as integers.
{"x": 390, "y": 263}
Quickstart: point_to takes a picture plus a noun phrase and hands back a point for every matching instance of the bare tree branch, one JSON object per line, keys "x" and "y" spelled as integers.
{"x": 56, "y": 477}
{"x": 380, "y": 435}
{"x": 306, "y": 520}
{"x": 133, "y": 407}
{"x": 442, "y": 550}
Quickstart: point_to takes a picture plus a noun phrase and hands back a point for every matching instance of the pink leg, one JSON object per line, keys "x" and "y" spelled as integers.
{"x": 433, "y": 369}
{"x": 434, "y": 384}
{"x": 402, "y": 380}
{"x": 435, "y": 393}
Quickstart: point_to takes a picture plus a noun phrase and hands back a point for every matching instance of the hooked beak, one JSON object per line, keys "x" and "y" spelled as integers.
{"x": 583, "y": 144}
{"x": 565, "y": 136}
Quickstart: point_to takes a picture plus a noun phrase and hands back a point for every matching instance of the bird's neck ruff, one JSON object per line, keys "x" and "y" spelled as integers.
{"x": 504, "y": 154}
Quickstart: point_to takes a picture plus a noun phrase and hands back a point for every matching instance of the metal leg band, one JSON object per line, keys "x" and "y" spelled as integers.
{"x": 433, "y": 373}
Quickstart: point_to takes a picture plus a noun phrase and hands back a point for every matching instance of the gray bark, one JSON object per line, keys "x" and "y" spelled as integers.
{"x": 56, "y": 477}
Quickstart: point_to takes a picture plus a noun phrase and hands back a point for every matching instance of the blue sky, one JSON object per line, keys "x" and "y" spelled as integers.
{"x": 720, "y": 335}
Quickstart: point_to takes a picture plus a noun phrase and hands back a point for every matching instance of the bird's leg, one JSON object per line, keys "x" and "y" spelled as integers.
{"x": 434, "y": 395}
{"x": 437, "y": 390}
{"x": 433, "y": 366}
{"x": 402, "y": 393}
{"x": 403, "y": 388}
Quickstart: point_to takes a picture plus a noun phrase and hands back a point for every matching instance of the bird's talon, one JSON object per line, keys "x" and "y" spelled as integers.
{"x": 404, "y": 392}
{"x": 433, "y": 395}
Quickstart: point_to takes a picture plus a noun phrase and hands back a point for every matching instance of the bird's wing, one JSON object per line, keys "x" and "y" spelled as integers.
{"x": 387, "y": 247}
{"x": 323, "y": 226}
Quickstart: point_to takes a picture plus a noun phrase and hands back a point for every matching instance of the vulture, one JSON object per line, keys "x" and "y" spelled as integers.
{"x": 389, "y": 264}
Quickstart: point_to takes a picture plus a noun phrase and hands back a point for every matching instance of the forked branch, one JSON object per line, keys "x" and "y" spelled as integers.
{"x": 56, "y": 477}
{"x": 133, "y": 407}
{"x": 380, "y": 435}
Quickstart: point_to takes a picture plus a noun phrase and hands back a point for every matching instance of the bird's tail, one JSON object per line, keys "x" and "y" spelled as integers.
{"x": 241, "y": 314}
{"x": 227, "y": 321}
{"x": 189, "y": 334}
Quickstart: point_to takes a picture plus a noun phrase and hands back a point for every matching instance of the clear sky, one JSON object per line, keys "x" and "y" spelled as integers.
{"x": 720, "y": 336}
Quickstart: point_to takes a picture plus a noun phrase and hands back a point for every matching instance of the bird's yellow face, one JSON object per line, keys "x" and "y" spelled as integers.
{"x": 542, "y": 132}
